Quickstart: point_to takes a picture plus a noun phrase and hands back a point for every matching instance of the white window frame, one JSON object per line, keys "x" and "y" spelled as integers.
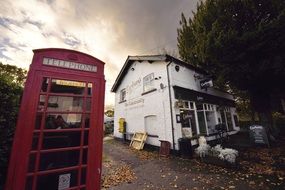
{"x": 148, "y": 82}
{"x": 123, "y": 94}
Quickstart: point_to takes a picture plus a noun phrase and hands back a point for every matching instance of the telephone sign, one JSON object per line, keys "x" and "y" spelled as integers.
{"x": 58, "y": 139}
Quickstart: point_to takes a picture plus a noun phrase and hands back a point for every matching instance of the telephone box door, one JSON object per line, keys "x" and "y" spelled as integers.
{"x": 64, "y": 142}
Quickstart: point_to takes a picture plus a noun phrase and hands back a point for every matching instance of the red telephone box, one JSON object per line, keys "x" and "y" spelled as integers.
{"x": 58, "y": 139}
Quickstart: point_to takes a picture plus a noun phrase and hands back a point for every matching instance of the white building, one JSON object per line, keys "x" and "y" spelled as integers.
{"x": 162, "y": 95}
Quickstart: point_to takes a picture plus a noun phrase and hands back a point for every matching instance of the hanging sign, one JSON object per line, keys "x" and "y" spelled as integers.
{"x": 206, "y": 83}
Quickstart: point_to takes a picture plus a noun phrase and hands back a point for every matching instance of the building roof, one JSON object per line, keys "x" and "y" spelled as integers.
{"x": 151, "y": 58}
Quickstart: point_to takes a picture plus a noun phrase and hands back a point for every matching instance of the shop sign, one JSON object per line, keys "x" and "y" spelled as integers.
{"x": 134, "y": 102}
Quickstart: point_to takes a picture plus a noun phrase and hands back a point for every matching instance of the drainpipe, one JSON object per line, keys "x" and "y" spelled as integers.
{"x": 170, "y": 100}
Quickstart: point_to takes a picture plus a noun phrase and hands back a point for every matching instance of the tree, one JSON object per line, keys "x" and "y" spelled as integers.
{"x": 11, "y": 86}
{"x": 241, "y": 43}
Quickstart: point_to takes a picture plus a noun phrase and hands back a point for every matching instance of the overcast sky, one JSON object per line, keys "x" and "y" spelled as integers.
{"x": 107, "y": 29}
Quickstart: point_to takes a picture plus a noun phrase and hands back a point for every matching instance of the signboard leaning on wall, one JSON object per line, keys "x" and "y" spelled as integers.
{"x": 258, "y": 135}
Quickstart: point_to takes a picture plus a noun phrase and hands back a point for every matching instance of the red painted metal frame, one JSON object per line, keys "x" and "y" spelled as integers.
{"x": 19, "y": 159}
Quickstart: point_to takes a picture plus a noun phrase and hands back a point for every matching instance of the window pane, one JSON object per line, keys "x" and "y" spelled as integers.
{"x": 67, "y": 87}
{"x": 54, "y": 160}
{"x": 51, "y": 181}
{"x": 65, "y": 103}
{"x": 61, "y": 139}
{"x": 63, "y": 121}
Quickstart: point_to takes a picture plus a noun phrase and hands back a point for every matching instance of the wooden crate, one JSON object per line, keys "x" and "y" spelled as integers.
{"x": 138, "y": 140}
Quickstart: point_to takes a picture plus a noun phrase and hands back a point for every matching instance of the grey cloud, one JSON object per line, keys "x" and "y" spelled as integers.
{"x": 148, "y": 25}
{"x": 71, "y": 40}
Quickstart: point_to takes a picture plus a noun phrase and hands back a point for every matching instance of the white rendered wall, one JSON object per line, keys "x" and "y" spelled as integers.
{"x": 185, "y": 78}
{"x": 137, "y": 106}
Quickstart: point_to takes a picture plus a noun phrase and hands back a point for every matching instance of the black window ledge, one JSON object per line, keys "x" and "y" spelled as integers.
{"x": 152, "y": 90}
{"x": 150, "y": 135}
{"x": 122, "y": 101}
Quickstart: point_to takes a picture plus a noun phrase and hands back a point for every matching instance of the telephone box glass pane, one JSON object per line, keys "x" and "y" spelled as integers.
{"x": 29, "y": 183}
{"x": 88, "y": 104}
{"x": 61, "y": 139}
{"x": 35, "y": 141}
{"x": 62, "y": 159}
{"x": 89, "y": 91}
{"x": 87, "y": 121}
{"x": 86, "y": 134}
{"x": 32, "y": 162}
{"x": 38, "y": 121}
{"x": 41, "y": 104}
{"x": 67, "y": 87}
{"x": 65, "y": 103}
{"x": 44, "y": 85}
{"x": 63, "y": 121}
{"x": 85, "y": 156}
{"x": 59, "y": 180}
{"x": 83, "y": 176}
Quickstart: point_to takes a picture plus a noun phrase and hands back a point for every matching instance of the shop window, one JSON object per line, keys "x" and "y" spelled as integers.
{"x": 202, "y": 123}
{"x": 191, "y": 105}
{"x": 236, "y": 120}
{"x": 148, "y": 83}
{"x": 188, "y": 122}
{"x": 211, "y": 122}
{"x": 229, "y": 121}
{"x": 199, "y": 106}
{"x": 123, "y": 95}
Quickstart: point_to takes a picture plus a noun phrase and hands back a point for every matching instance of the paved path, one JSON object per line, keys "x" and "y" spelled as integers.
{"x": 150, "y": 172}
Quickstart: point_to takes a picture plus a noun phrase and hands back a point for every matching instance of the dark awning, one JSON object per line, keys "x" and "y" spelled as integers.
{"x": 192, "y": 95}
